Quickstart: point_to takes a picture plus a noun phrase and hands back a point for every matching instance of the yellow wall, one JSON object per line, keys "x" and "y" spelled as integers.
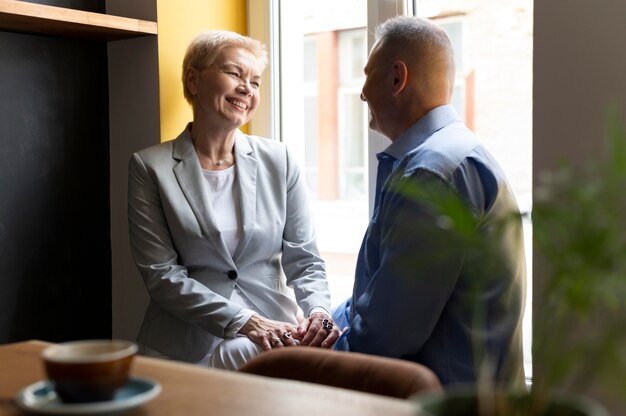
{"x": 179, "y": 21}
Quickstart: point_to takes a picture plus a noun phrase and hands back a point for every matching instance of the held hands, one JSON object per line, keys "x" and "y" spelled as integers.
{"x": 270, "y": 334}
{"x": 318, "y": 330}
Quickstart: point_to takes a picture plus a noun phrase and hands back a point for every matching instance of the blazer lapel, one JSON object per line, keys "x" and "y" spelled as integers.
{"x": 246, "y": 168}
{"x": 189, "y": 176}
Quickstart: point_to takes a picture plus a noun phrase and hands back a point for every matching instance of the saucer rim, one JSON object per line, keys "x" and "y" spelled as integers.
{"x": 53, "y": 406}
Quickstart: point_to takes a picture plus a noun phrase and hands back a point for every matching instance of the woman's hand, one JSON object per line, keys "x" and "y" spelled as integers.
{"x": 318, "y": 330}
{"x": 270, "y": 334}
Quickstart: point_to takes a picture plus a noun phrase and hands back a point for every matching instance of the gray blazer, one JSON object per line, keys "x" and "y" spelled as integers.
{"x": 187, "y": 270}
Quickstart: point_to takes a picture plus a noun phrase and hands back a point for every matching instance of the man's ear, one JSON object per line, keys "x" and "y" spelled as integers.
{"x": 400, "y": 76}
{"x": 191, "y": 80}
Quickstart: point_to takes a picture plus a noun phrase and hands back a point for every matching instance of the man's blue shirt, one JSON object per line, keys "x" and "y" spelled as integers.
{"x": 411, "y": 296}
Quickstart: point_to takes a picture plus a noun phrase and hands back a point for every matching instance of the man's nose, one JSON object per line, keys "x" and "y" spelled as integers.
{"x": 362, "y": 97}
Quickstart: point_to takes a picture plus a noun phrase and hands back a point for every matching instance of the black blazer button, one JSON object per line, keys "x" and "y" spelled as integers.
{"x": 232, "y": 275}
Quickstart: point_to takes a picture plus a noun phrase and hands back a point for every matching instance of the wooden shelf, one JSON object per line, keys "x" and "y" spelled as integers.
{"x": 22, "y": 16}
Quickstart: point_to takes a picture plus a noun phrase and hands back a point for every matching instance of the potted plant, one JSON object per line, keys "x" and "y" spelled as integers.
{"x": 579, "y": 326}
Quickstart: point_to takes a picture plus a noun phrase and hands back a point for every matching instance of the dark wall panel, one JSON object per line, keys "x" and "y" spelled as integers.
{"x": 55, "y": 260}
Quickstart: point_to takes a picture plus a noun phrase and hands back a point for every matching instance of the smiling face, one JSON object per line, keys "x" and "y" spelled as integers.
{"x": 227, "y": 92}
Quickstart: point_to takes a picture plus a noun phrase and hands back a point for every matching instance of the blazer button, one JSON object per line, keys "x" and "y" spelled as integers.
{"x": 232, "y": 275}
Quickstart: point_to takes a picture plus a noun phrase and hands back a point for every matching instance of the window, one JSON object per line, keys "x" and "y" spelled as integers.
{"x": 325, "y": 123}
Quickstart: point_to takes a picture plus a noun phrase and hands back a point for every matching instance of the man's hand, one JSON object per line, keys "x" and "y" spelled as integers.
{"x": 318, "y": 330}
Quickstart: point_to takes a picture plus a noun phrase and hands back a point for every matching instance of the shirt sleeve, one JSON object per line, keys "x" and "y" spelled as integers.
{"x": 342, "y": 343}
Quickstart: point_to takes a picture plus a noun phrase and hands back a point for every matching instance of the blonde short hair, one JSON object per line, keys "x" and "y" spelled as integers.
{"x": 205, "y": 47}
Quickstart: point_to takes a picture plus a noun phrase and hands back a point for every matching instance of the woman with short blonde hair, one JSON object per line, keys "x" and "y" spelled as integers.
{"x": 220, "y": 228}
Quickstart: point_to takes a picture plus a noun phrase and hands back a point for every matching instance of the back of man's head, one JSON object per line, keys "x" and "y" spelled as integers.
{"x": 426, "y": 49}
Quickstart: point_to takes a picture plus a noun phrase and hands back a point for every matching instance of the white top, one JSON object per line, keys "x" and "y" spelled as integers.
{"x": 224, "y": 200}
{"x": 223, "y": 197}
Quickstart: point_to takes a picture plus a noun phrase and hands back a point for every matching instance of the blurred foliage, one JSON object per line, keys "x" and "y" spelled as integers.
{"x": 579, "y": 233}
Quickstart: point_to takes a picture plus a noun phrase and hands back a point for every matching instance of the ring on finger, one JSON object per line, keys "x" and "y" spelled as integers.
{"x": 287, "y": 335}
{"x": 327, "y": 325}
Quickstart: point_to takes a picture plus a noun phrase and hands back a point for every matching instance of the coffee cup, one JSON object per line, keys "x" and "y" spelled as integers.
{"x": 89, "y": 370}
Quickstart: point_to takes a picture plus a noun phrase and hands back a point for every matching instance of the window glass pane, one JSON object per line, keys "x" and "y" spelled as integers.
{"x": 310, "y": 142}
{"x": 310, "y": 67}
{"x": 353, "y": 136}
{"x": 454, "y": 30}
{"x": 353, "y": 149}
{"x": 310, "y": 120}
{"x": 352, "y": 114}
{"x": 334, "y": 129}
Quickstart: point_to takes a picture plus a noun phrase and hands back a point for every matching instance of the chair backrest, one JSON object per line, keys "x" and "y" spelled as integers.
{"x": 350, "y": 370}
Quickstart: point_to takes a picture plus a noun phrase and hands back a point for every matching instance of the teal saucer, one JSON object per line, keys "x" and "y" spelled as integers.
{"x": 41, "y": 398}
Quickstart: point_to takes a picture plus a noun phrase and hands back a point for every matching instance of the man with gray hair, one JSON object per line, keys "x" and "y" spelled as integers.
{"x": 418, "y": 294}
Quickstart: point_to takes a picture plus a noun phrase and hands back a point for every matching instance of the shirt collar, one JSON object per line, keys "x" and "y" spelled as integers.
{"x": 425, "y": 127}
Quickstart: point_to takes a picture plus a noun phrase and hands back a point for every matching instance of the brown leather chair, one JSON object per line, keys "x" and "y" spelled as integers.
{"x": 349, "y": 370}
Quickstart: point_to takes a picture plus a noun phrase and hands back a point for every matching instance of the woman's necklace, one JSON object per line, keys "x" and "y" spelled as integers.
{"x": 220, "y": 162}
{"x": 225, "y": 159}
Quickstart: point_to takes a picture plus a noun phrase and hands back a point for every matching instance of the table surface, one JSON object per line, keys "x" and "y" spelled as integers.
{"x": 192, "y": 390}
